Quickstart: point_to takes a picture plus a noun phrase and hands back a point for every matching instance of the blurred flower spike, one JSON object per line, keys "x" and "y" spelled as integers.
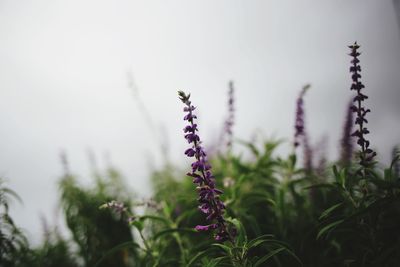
{"x": 299, "y": 123}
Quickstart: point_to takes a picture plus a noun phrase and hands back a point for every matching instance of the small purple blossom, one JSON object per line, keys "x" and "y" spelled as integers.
{"x": 367, "y": 154}
{"x": 206, "y": 227}
{"x": 116, "y": 206}
{"x": 209, "y": 196}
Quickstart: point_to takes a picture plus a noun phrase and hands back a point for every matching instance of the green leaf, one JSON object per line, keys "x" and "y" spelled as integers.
{"x": 335, "y": 171}
{"x": 223, "y": 247}
{"x": 395, "y": 159}
{"x": 166, "y": 209}
{"x": 328, "y": 228}
{"x": 292, "y": 161}
{"x": 252, "y": 222}
{"x": 197, "y": 257}
{"x": 258, "y": 197}
{"x": 173, "y": 230}
{"x": 241, "y": 239}
{"x": 157, "y": 218}
{"x": 138, "y": 224}
{"x": 12, "y": 193}
{"x": 268, "y": 256}
{"x": 250, "y": 146}
{"x": 257, "y": 241}
{"x": 326, "y": 212}
{"x": 215, "y": 262}
{"x": 116, "y": 249}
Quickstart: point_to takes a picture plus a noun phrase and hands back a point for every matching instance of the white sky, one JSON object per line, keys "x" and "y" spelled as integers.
{"x": 63, "y": 82}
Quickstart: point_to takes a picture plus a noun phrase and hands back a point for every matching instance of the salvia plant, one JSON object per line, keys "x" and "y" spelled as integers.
{"x": 366, "y": 153}
{"x": 209, "y": 195}
{"x": 273, "y": 210}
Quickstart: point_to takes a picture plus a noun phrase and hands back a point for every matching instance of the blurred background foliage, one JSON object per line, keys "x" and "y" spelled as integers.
{"x": 324, "y": 220}
{"x": 94, "y": 231}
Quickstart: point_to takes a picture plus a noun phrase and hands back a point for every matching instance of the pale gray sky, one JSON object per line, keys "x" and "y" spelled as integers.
{"x": 63, "y": 82}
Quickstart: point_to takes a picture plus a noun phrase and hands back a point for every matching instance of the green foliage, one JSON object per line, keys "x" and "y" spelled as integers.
{"x": 292, "y": 217}
{"x": 53, "y": 252}
{"x": 94, "y": 230}
{"x": 283, "y": 216}
{"x": 12, "y": 241}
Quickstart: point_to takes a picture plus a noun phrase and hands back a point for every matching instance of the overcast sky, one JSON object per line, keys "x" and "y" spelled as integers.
{"x": 64, "y": 86}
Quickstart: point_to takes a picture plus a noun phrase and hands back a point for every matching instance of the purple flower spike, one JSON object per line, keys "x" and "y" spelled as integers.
{"x": 230, "y": 120}
{"x": 367, "y": 154}
{"x": 299, "y": 124}
{"x": 210, "y": 203}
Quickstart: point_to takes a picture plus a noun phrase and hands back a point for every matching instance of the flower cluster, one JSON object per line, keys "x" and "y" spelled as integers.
{"x": 209, "y": 195}
{"x": 120, "y": 209}
{"x": 299, "y": 123}
{"x": 367, "y": 154}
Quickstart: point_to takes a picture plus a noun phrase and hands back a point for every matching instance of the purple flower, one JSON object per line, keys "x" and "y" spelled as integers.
{"x": 206, "y": 227}
{"x": 116, "y": 206}
{"x": 209, "y": 196}
{"x": 367, "y": 154}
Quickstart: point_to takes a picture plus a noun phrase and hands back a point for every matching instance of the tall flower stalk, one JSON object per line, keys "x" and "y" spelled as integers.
{"x": 366, "y": 153}
{"x": 230, "y": 118}
{"x": 209, "y": 195}
{"x": 299, "y": 123}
